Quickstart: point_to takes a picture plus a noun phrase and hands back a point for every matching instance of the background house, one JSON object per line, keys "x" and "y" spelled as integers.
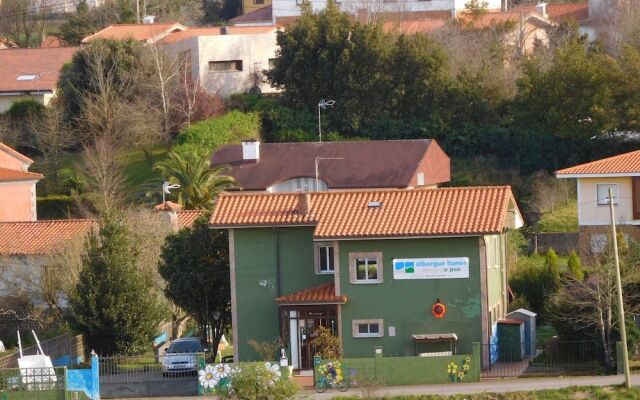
{"x": 226, "y": 60}
{"x": 31, "y": 73}
{"x": 620, "y": 173}
{"x": 291, "y": 167}
{"x": 147, "y": 33}
{"x": 17, "y": 186}
{"x": 368, "y": 265}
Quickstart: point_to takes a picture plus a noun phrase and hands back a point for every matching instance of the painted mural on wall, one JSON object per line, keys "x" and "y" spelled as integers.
{"x": 219, "y": 378}
{"x": 457, "y": 373}
{"x": 431, "y": 268}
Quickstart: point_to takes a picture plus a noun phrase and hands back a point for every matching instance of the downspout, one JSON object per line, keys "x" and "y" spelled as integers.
{"x": 277, "y": 239}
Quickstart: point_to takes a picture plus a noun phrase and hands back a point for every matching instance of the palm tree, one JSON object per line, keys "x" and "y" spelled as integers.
{"x": 199, "y": 183}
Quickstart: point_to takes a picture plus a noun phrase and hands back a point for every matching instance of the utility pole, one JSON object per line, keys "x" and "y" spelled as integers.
{"x": 138, "y": 10}
{"x": 623, "y": 327}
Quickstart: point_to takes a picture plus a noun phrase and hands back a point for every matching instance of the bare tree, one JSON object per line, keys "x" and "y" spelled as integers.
{"x": 591, "y": 304}
{"x": 51, "y": 137}
{"x": 163, "y": 82}
{"x": 24, "y": 21}
{"x": 104, "y": 175}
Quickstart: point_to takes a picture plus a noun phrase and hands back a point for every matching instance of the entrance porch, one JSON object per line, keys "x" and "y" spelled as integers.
{"x": 301, "y": 315}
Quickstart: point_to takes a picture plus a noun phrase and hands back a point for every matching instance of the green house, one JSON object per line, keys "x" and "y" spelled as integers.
{"x": 370, "y": 265}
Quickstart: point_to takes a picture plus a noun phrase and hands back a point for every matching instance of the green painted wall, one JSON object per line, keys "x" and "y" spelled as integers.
{"x": 406, "y": 304}
{"x": 409, "y": 370}
{"x": 257, "y": 283}
{"x": 495, "y": 276}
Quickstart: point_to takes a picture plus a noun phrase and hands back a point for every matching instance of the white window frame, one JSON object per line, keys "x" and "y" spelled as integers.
{"x": 616, "y": 194}
{"x": 316, "y": 257}
{"x": 353, "y": 257}
{"x": 355, "y": 328}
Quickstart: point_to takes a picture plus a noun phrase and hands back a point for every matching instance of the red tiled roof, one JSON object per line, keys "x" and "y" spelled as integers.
{"x": 40, "y": 237}
{"x": 347, "y": 165}
{"x": 138, "y": 32}
{"x": 627, "y": 163}
{"x": 186, "y": 218}
{"x": 560, "y": 11}
{"x": 7, "y": 175}
{"x": 15, "y": 153}
{"x": 321, "y": 294}
{"x": 415, "y": 26}
{"x": 53, "y": 41}
{"x": 28, "y": 70}
{"x": 353, "y": 213}
{"x": 250, "y": 30}
{"x": 264, "y": 14}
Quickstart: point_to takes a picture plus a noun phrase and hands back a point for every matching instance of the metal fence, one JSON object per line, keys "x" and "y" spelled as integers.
{"x": 144, "y": 368}
{"x": 32, "y": 379}
{"x": 555, "y": 358}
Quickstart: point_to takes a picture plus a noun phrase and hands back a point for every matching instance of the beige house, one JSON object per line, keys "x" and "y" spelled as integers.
{"x": 31, "y": 73}
{"x": 621, "y": 174}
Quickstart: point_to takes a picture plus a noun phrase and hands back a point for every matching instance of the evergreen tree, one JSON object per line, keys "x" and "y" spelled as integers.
{"x": 575, "y": 266}
{"x": 115, "y": 304}
{"x": 552, "y": 272}
{"x": 195, "y": 264}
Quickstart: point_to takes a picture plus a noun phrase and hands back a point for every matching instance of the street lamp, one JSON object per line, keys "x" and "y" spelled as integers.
{"x": 166, "y": 189}
{"x": 322, "y": 105}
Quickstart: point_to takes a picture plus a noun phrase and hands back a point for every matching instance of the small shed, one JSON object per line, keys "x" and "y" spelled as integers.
{"x": 529, "y": 318}
{"x": 450, "y": 338}
{"x": 510, "y": 340}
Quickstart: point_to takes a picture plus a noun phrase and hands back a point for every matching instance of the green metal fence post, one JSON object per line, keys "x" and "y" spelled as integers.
{"x": 475, "y": 361}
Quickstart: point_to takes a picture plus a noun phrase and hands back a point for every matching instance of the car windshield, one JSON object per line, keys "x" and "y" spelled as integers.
{"x": 190, "y": 346}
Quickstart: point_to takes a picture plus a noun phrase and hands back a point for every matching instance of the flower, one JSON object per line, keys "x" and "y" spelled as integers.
{"x": 207, "y": 377}
{"x": 273, "y": 372}
{"x": 221, "y": 371}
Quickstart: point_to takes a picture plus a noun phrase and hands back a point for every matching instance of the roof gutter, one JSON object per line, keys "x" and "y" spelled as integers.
{"x": 614, "y": 175}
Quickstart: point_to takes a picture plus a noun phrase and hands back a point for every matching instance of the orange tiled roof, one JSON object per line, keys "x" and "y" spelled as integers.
{"x": 15, "y": 154}
{"x": 627, "y": 163}
{"x": 560, "y": 11}
{"x": 7, "y": 175}
{"x": 351, "y": 214}
{"x": 138, "y": 32}
{"x": 40, "y": 237}
{"x": 261, "y": 15}
{"x": 29, "y": 70}
{"x": 53, "y": 41}
{"x": 324, "y": 294}
{"x": 186, "y": 218}
{"x": 415, "y": 26}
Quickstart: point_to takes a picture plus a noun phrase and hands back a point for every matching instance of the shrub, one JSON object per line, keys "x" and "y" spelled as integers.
{"x": 575, "y": 266}
{"x": 328, "y": 346}
{"x": 57, "y": 207}
{"x": 259, "y": 382}
{"x": 552, "y": 271}
{"x": 210, "y": 134}
{"x": 21, "y": 109}
{"x": 529, "y": 282}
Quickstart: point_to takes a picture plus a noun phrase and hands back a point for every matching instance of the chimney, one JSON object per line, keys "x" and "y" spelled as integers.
{"x": 304, "y": 203}
{"x": 541, "y": 9}
{"x": 149, "y": 19}
{"x": 224, "y": 30}
{"x": 504, "y": 5}
{"x": 169, "y": 211}
{"x": 250, "y": 150}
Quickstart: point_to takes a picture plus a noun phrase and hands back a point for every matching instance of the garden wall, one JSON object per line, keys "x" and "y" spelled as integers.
{"x": 410, "y": 370}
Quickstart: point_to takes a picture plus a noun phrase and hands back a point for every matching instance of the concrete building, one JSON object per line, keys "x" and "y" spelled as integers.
{"x": 17, "y": 186}
{"x": 226, "y": 60}
{"x": 379, "y": 268}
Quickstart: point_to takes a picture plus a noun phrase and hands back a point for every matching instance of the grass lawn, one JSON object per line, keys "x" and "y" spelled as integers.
{"x": 537, "y": 260}
{"x": 563, "y": 219}
{"x": 136, "y": 166}
{"x": 577, "y": 393}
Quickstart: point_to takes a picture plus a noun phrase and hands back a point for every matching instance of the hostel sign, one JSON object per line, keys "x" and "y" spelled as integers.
{"x": 431, "y": 268}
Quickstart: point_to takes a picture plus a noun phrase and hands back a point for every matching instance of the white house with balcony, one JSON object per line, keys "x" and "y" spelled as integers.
{"x": 621, "y": 174}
